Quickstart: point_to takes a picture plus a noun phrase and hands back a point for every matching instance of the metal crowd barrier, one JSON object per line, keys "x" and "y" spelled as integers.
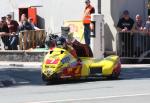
{"x": 133, "y": 44}
{"x": 31, "y": 39}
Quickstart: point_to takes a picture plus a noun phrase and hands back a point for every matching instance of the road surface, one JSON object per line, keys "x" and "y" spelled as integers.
{"x": 132, "y": 87}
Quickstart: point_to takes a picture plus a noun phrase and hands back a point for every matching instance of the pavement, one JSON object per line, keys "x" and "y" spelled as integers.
{"x": 20, "y": 64}
{"x": 39, "y": 64}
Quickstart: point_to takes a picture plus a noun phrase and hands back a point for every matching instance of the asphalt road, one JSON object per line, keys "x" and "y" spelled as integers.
{"x": 132, "y": 87}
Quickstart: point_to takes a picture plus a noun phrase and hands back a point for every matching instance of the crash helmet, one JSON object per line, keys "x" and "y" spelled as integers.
{"x": 87, "y": 1}
{"x": 61, "y": 42}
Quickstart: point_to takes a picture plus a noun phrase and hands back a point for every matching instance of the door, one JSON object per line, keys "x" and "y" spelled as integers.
{"x": 23, "y": 11}
{"x": 32, "y": 12}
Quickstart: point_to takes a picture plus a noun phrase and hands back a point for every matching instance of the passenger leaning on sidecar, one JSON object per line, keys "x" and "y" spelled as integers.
{"x": 62, "y": 43}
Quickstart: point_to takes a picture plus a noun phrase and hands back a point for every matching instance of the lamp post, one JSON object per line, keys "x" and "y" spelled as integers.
{"x": 99, "y": 6}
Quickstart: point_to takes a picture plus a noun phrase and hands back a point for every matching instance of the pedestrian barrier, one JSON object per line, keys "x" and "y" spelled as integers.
{"x": 133, "y": 45}
{"x": 31, "y": 39}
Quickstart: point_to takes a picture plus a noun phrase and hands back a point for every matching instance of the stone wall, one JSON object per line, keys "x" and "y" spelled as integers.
{"x": 22, "y": 56}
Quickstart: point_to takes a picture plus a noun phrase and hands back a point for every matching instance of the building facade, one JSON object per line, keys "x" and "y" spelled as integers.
{"x": 52, "y": 13}
{"x": 112, "y": 10}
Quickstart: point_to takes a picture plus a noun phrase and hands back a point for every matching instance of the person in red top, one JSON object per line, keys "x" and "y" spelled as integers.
{"x": 13, "y": 29}
{"x": 89, "y": 9}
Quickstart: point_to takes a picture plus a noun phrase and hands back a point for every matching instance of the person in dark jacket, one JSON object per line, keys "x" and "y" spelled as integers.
{"x": 124, "y": 26}
{"x": 4, "y": 33}
{"x": 24, "y": 24}
{"x": 125, "y": 23}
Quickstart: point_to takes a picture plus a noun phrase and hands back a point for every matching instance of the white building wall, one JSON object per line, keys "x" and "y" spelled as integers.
{"x": 7, "y": 6}
{"x": 53, "y": 12}
{"x": 56, "y": 11}
{"x": 112, "y": 10}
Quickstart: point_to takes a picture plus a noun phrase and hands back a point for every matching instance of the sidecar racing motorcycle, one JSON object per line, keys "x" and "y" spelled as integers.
{"x": 59, "y": 64}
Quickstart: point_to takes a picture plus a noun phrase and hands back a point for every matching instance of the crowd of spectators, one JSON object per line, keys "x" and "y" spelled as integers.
{"x": 127, "y": 24}
{"x": 9, "y": 30}
{"x": 131, "y": 33}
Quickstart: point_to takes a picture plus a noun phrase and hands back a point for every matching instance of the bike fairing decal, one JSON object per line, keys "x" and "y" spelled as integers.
{"x": 52, "y": 61}
{"x": 66, "y": 60}
{"x": 71, "y": 71}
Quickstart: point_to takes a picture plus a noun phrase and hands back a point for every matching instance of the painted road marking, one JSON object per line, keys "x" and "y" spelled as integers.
{"x": 94, "y": 98}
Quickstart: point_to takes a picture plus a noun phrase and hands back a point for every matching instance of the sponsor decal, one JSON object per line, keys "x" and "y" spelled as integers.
{"x": 73, "y": 64}
{"x": 50, "y": 66}
{"x": 52, "y": 61}
{"x": 65, "y": 60}
{"x": 75, "y": 71}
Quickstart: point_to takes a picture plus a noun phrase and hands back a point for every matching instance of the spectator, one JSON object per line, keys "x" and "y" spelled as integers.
{"x": 23, "y": 17}
{"x": 13, "y": 29}
{"x": 4, "y": 33}
{"x": 88, "y": 26}
{"x": 147, "y": 25}
{"x": 24, "y": 24}
{"x": 147, "y": 30}
{"x": 125, "y": 24}
{"x": 3, "y": 19}
{"x": 139, "y": 26}
{"x": 138, "y": 38}
{"x": 30, "y": 20}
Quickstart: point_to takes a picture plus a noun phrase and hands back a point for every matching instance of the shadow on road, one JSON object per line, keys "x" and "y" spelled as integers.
{"x": 23, "y": 76}
{"x": 73, "y": 81}
{"x": 33, "y": 76}
{"x": 126, "y": 74}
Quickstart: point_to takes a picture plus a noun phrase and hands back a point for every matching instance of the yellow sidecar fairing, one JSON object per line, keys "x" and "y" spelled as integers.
{"x": 59, "y": 63}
